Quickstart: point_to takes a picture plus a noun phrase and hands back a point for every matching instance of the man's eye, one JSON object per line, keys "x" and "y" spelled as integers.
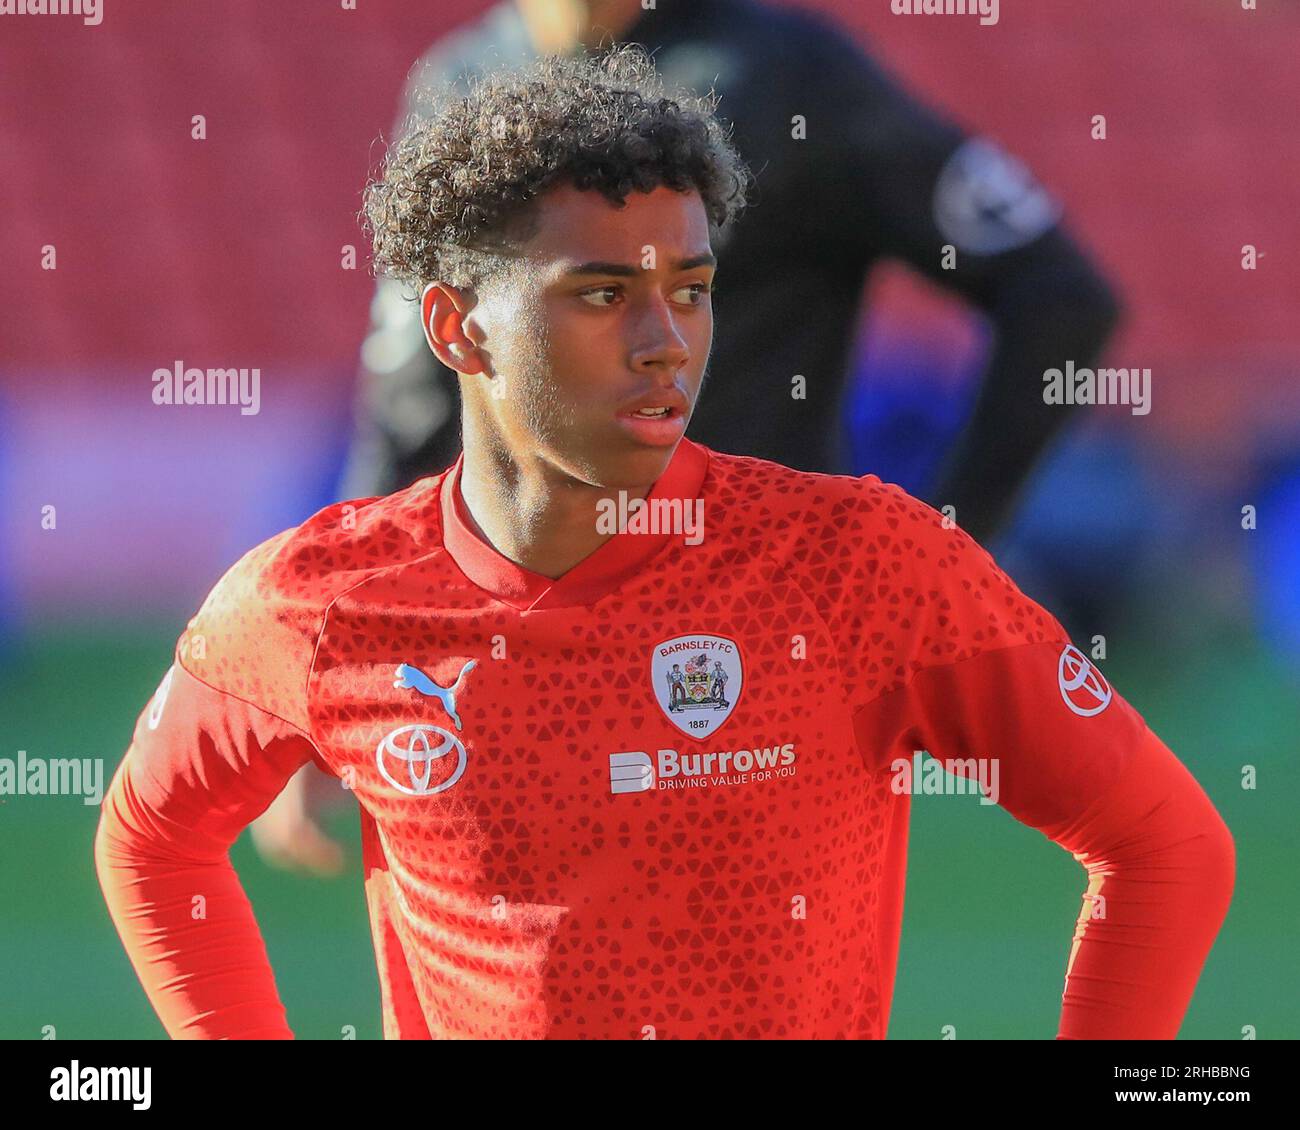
{"x": 698, "y": 291}
{"x": 593, "y": 296}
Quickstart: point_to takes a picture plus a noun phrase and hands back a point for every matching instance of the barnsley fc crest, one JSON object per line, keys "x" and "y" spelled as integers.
{"x": 697, "y": 681}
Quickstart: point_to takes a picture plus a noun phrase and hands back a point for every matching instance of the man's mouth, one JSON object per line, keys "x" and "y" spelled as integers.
{"x": 658, "y": 425}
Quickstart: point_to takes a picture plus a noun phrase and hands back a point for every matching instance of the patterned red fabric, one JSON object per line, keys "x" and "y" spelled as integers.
{"x": 540, "y": 861}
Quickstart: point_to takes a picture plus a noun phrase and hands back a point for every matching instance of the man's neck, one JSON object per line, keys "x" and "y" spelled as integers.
{"x": 528, "y": 510}
{"x": 559, "y": 27}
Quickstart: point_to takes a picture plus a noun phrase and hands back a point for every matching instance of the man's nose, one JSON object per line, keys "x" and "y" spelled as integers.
{"x": 659, "y": 343}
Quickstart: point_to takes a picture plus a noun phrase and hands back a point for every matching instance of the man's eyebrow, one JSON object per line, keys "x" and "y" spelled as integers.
{"x": 626, "y": 271}
{"x": 704, "y": 259}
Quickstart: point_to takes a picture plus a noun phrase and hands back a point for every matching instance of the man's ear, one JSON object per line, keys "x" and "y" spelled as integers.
{"x": 442, "y": 312}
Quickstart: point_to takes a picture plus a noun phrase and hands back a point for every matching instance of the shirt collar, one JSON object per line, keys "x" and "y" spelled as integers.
{"x": 595, "y": 575}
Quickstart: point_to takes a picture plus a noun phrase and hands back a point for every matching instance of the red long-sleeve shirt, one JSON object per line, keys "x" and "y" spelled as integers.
{"x": 662, "y": 795}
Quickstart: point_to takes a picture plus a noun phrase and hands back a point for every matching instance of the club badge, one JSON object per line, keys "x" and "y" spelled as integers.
{"x": 697, "y": 680}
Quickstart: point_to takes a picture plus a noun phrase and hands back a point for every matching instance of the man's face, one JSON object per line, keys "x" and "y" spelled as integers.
{"x": 598, "y": 343}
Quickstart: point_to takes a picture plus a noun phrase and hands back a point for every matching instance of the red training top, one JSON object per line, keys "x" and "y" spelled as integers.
{"x": 664, "y": 795}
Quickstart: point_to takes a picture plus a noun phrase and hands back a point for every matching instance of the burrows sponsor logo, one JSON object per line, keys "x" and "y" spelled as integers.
{"x": 637, "y": 772}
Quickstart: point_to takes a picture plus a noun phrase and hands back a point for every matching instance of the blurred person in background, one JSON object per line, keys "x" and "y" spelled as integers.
{"x": 829, "y": 136}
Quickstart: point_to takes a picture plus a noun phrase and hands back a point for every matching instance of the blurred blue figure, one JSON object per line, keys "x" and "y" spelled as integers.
{"x": 1274, "y": 547}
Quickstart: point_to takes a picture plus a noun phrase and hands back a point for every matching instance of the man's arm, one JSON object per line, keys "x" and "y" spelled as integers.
{"x": 202, "y": 764}
{"x": 290, "y": 834}
{"x": 952, "y": 658}
{"x": 913, "y": 183}
{"x": 1159, "y": 858}
{"x": 1156, "y": 848}
{"x": 1048, "y": 306}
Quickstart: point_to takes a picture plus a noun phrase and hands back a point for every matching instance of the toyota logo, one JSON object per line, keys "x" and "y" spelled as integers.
{"x": 413, "y": 752}
{"x": 1083, "y": 687}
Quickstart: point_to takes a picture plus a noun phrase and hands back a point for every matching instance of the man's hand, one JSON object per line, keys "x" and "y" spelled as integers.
{"x": 288, "y": 835}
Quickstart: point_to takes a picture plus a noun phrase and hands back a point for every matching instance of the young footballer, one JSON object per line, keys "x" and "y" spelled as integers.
{"x": 629, "y": 721}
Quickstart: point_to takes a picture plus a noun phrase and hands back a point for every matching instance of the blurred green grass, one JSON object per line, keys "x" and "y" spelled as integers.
{"x": 990, "y": 904}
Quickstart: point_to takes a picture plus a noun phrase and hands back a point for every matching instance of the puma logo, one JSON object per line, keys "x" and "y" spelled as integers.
{"x": 415, "y": 679}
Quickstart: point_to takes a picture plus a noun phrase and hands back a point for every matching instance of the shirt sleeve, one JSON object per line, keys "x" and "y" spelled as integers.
{"x": 914, "y": 183}
{"x": 202, "y": 764}
{"x": 912, "y": 179}
{"x": 1082, "y": 766}
{"x": 985, "y": 675}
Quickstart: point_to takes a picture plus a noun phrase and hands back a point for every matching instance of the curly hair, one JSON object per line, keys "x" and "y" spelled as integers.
{"x": 455, "y": 194}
